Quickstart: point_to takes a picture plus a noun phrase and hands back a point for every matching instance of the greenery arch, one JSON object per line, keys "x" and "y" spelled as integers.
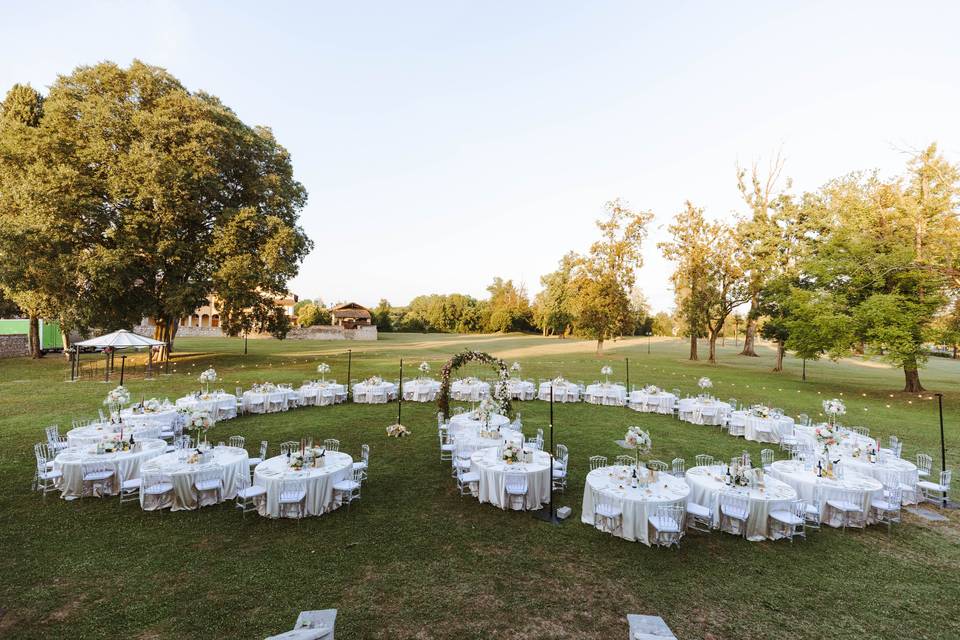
{"x": 501, "y": 393}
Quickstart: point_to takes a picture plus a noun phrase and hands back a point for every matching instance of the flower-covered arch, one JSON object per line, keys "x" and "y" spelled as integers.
{"x": 501, "y": 393}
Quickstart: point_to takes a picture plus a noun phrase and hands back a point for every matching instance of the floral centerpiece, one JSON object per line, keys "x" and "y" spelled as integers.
{"x": 651, "y": 389}
{"x": 152, "y": 405}
{"x": 199, "y": 421}
{"x": 559, "y": 381}
{"x": 637, "y": 438}
{"x": 485, "y": 409}
{"x": 206, "y": 378}
{"x": 760, "y": 411}
{"x": 115, "y": 401}
{"x": 424, "y": 369}
{"x": 323, "y": 369}
{"x": 511, "y": 453}
{"x": 297, "y": 460}
{"x": 606, "y": 371}
{"x": 834, "y": 408}
{"x": 397, "y": 431}
{"x": 705, "y": 383}
{"x": 514, "y": 369}
{"x": 374, "y": 381}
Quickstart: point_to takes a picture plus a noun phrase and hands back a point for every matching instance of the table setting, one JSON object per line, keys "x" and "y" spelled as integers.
{"x": 322, "y": 393}
{"x": 804, "y": 479}
{"x": 374, "y": 390}
{"x": 421, "y": 390}
{"x": 125, "y": 461}
{"x": 269, "y": 398}
{"x": 762, "y": 424}
{"x": 91, "y": 434}
{"x": 219, "y": 403}
{"x": 469, "y": 389}
{"x": 651, "y": 399}
{"x": 703, "y": 410}
{"x": 318, "y": 468}
{"x": 183, "y": 465}
{"x": 521, "y": 389}
{"x": 563, "y": 390}
{"x": 654, "y": 489}
{"x": 492, "y": 467}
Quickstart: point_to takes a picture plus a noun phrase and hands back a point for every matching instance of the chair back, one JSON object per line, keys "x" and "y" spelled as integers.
{"x": 516, "y": 482}
{"x": 292, "y": 490}
{"x": 561, "y": 453}
{"x": 597, "y": 462}
{"x": 626, "y": 461}
{"x": 704, "y": 460}
{"x": 331, "y": 444}
{"x": 766, "y": 457}
{"x": 734, "y": 502}
{"x": 213, "y": 473}
{"x": 237, "y": 441}
{"x": 659, "y": 465}
{"x": 678, "y": 465}
{"x": 263, "y": 449}
{"x": 945, "y": 478}
{"x": 365, "y": 452}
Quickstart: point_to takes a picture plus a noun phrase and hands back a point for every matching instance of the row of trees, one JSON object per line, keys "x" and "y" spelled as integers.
{"x": 123, "y": 195}
{"x": 862, "y": 265}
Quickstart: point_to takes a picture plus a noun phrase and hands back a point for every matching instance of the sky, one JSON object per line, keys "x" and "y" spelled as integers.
{"x": 445, "y": 143}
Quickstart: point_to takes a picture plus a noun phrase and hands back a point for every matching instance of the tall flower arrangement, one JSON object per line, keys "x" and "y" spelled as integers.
{"x": 116, "y": 399}
{"x": 323, "y": 369}
{"x": 424, "y": 369}
{"x": 606, "y": 371}
{"x": 207, "y": 377}
{"x": 834, "y": 409}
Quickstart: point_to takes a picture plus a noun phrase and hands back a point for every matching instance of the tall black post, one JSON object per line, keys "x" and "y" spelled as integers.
{"x": 349, "y": 362}
{"x": 648, "y": 342}
{"x": 628, "y": 377}
{"x": 400, "y": 392}
{"x": 123, "y": 362}
{"x": 549, "y": 514}
{"x": 244, "y": 343}
{"x": 943, "y": 446}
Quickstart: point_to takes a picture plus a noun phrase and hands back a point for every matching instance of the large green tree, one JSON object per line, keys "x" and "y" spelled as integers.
{"x": 552, "y": 307}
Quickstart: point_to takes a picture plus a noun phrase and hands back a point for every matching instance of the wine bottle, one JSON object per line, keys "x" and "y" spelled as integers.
{"x": 633, "y": 481}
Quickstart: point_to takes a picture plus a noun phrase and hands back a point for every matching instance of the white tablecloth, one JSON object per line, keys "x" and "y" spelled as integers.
{"x": 606, "y": 393}
{"x": 365, "y": 393}
{"x": 469, "y": 390}
{"x": 638, "y": 504}
{"x": 92, "y": 434}
{"x": 422, "y": 390}
{"x": 322, "y": 393}
{"x": 706, "y": 485}
{"x": 166, "y": 417}
{"x": 521, "y": 389}
{"x": 758, "y": 429}
{"x": 468, "y": 420}
{"x": 652, "y": 403}
{"x": 222, "y": 406}
{"x": 270, "y": 401}
{"x": 126, "y": 465}
{"x": 320, "y": 499}
{"x": 563, "y": 392}
{"x": 492, "y": 471}
{"x": 805, "y": 481}
{"x": 848, "y": 441}
{"x": 476, "y": 436}
{"x": 699, "y": 411}
{"x": 904, "y": 471}
{"x": 233, "y": 461}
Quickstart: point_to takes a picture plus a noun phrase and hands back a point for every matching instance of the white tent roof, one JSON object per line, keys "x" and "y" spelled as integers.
{"x": 122, "y": 339}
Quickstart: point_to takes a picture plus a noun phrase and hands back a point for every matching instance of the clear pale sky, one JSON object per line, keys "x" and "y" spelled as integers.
{"x": 445, "y": 143}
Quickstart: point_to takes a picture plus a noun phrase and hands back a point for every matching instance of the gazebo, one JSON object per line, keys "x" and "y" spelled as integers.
{"x": 110, "y": 343}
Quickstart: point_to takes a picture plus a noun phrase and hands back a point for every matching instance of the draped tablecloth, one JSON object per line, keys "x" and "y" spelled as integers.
{"x": 90, "y": 435}
{"x": 903, "y": 471}
{"x": 270, "y": 401}
{"x": 606, "y": 393}
{"x": 706, "y": 485}
{"x": 475, "y": 436}
{"x": 167, "y": 416}
{"x": 493, "y": 473}
{"x": 760, "y": 429}
{"x": 562, "y": 391}
{"x": 701, "y": 411}
{"x": 126, "y": 465}
{"x": 421, "y": 390}
{"x": 323, "y": 393}
{"x": 661, "y": 402}
{"x": 469, "y": 421}
{"x": 521, "y": 389}
{"x": 804, "y": 480}
{"x": 320, "y": 499}
{"x": 367, "y": 393}
{"x": 233, "y": 461}
{"x": 222, "y": 406}
{"x": 847, "y": 441}
{"x": 638, "y": 504}
{"x": 469, "y": 390}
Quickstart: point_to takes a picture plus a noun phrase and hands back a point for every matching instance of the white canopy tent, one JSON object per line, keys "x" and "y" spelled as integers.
{"x": 116, "y": 341}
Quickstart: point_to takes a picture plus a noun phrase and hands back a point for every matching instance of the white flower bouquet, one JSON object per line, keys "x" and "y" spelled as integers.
{"x": 207, "y": 377}
{"x": 487, "y": 407}
{"x": 152, "y": 405}
{"x": 760, "y": 411}
{"x": 374, "y": 381}
{"x": 297, "y": 460}
{"x": 424, "y": 368}
{"x": 397, "y": 431}
{"x": 118, "y": 397}
{"x": 511, "y": 453}
{"x": 200, "y": 421}
{"x": 637, "y": 438}
{"x": 651, "y": 389}
{"x": 559, "y": 381}
{"x": 705, "y": 383}
{"x": 834, "y": 408}
{"x": 323, "y": 369}
{"x": 515, "y": 367}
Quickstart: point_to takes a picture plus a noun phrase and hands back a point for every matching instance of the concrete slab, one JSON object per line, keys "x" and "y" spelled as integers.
{"x": 648, "y": 628}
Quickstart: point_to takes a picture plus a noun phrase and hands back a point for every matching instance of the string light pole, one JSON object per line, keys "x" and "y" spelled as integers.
{"x": 549, "y": 514}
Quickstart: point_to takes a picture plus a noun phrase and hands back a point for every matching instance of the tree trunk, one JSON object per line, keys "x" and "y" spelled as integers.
{"x": 912, "y": 379}
{"x": 693, "y": 347}
{"x": 750, "y": 331}
{"x": 954, "y": 352}
{"x": 778, "y": 366}
{"x": 600, "y": 344}
{"x": 165, "y": 329}
{"x": 34, "y": 337}
{"x": 713, "y": 349}
{"x": 65, "y": 339}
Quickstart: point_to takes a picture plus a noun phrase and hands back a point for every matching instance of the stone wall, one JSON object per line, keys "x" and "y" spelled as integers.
{"x": 326, "y": 332}
{"x": 14, "y": 345}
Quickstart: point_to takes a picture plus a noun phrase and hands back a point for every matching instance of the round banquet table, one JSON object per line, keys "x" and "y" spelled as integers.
{"x": 321, "y": 497}
{"x": 323, "y": 393}
{"x": 759, "y": 429}
{"x": 233, "y": 461}
{"x": 90, "y": 435}
{"x": 366, "y": 393}
{"x": 804, "y": 480}
{"x": 904, "y": 471}
{"x": 167, "y": 416}
{"x": 521, "y": 389}
{"x": 706, "y": 485}
{"x": 847, "y": 441}
{"x": 423, "y": 390}
{"x": 264, "y": 401}
{"x": 703, "y": 411}
{"x": 474, "y": 436}
{"x": 126, "y": 465}
{"x": 469, "y": 390}
{"x": 661, "y": 402}
{"x": 221, "y": 405}
{"x": 493, "y": 473}
{"x": 638, "y": 504}
{"x": 562, "y": 391}
{"x": 606, "y": 393}
{"x": 468, "y": 420}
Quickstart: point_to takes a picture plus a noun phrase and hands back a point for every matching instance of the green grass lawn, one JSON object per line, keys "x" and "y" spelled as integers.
{"x": 415, "y": 560}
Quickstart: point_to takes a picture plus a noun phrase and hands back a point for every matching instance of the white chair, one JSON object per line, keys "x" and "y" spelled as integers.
{"x": 331, "y": 444}
{"x": 241, "y": 404}
{"x": 55, "y": 441}
{"x": 237, "y": 441}
{"x": 130, "y": 490}
{"x": 887, "y": 508}
{"x": 98, "y": 474}
{"x": 699, "y": 517}
{"x": 536, "y": 443}
{"x": 466, "y": 479}
{"x": 811, "y": 514}
{"x": 848, "y": 504}
{"x": 766, "y": 458}
{"x": 597, "y": 461}
{"x": 667, "y": 523}
{"x": 253, "y": 402}
{"x": 792, "y": 520}
{"x": 607, "y": 512}
{"x": 377, "y": 395}
{"x": 156, "y": 488}
{"x": 560, "y": 460}
{"x": 734, "y": 510}
{"x": 248, "y": 495}
{"x": 446, "y": 447}
{"x": 209, "y": 479}
{"x": 515, "y": 486}
{"x": 253, "y": 462}
{"x": 936, "y": 492}
{"x": 293, "y": 493}
{"x": 45, "y": 477}
{"x": 659, "y": 465}
{"x": 289, "y": 447}
{"x": 703, "y": 460}
{"x": 461, "y": 457}
{"x": 364, "y": 462}
{"x": 624, "y": 460}
{"x": 678, "y": 467}
{"x": 924, "y": 465}
{"x": 349, "y": 489}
